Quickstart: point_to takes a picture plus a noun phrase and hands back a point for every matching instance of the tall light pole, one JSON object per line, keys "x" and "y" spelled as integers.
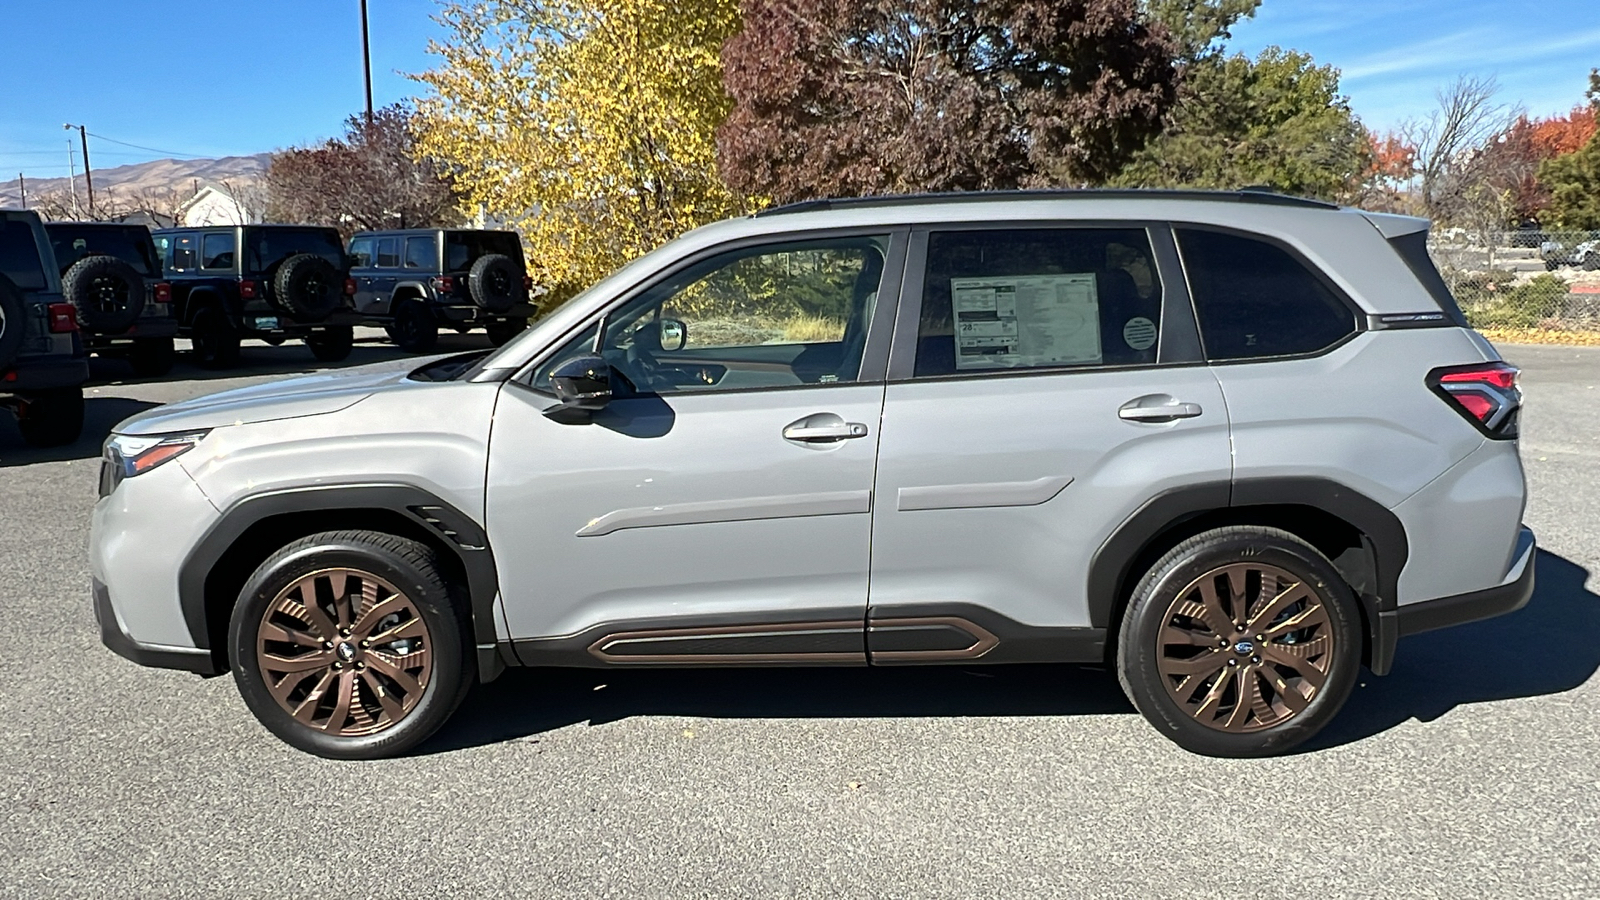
{"x": 366, "y": 59}
{"x": 88, "y": 180}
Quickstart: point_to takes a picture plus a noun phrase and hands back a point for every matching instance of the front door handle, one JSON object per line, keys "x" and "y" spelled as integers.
{"x": 823, "y": 428}
{"x": 1157, "y": 408}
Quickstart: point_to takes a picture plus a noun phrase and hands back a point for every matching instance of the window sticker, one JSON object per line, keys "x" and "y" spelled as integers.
{"x": 1029, "y": 320}
{"x": 1139, "y": 333}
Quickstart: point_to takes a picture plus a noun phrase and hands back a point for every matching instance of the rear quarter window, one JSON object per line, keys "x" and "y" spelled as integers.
{"x": 1254, "y": 299}
{"x": 19, "y": 255}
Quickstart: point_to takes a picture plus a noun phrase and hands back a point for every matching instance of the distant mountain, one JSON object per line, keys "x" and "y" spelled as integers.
{"x": 157, "y": 176}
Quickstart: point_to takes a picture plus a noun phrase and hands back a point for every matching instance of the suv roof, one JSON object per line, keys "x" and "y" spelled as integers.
{"x": 1245, "y": 195}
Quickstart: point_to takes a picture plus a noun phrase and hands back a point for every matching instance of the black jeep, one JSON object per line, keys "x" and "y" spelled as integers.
{"x": 271, "y": 282}
{"x": 42, "y": 362}
{"x": 414, "y": 281}
{"x": 111, "y": 275}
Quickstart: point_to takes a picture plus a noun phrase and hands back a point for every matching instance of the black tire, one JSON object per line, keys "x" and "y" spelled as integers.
{"x": 51, "y": 418}
{"x": 1176, "y": 576}
{"x": 13, "y": 321}
{"x": 215, "y": 340}
{"x": 1551, "y": 265}
{"x": 495, "y": 282}
{"x": 415, "y": 330}
{"x": 107, "y": 292}
{"x": 331, "y": 344}
{"x": 501, "y": 331}
{"x": 307, "y": 287}
{"x": 152, "y": 357}
{"x": 413, "y": 570}
{"x": 1592, "y": 261}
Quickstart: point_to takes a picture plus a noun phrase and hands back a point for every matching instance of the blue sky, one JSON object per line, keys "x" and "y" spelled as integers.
{"x": 222, "y": 77}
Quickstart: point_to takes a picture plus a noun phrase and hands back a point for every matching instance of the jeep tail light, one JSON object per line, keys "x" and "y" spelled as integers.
{"x": 163, "y": 292}
{"x": 349, "y": 287}
{"x": 527, "y": 282}
{"x": 445, "y": 284}
{"x": 247, "y": 289}
{"x": 63, "y": 318}
{"x": 1486, "y": 393}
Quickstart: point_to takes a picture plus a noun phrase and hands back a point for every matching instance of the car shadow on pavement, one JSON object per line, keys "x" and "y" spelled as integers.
{"x": 1545, "y": 648}
{"x": 100, "y": 414}
{"x": 524, "y": 702}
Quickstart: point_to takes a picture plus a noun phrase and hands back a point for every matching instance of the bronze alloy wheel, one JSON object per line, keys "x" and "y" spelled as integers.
{"x": 1245, "y": 646}
{"x": 344, "y": 652}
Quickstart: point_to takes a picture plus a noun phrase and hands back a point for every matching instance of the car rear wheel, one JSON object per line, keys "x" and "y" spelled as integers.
{"x": 414, "y": 330}
{"x": 216, "y": 342}
{"x": 1240, "y": 641}
{"x": 501, "y": 331}
{"x": 51, "y": 418}
{"x": 152, "y": 357}
{"x": 348, "y": 645}
{"x": 331, "y": 344}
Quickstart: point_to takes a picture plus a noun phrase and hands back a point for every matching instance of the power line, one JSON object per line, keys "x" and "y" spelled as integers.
{"x": 101, "y": 137}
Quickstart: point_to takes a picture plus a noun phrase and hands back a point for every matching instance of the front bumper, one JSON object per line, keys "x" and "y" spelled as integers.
{"x": 159, "y": 656}
{"x": 1510, "y": 596}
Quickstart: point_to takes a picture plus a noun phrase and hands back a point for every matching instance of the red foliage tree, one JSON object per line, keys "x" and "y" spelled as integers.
{"x": 857, "y": 97}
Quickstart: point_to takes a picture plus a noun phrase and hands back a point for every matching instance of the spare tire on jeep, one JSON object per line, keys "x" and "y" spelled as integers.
{"x": 494, "y": 282}
{"x": 307, "y": 287}
{"x": 12, "y": 321}
{"x": 108, "y": 293}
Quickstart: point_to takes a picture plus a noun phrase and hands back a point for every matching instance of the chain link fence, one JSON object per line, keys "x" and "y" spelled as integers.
{"x": 1525, "y": 280}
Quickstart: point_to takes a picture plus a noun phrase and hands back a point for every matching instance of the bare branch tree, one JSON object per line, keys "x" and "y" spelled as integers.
{"x": 1447, "y": 140}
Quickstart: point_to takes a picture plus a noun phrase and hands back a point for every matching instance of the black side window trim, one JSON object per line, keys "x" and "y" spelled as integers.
{"x": 1358, "y": 316}
{"x": 1177, "y": 314}
{"x": 874, "y": 358}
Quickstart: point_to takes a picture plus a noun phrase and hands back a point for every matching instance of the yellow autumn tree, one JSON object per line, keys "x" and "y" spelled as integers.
{"x": 588, "y": 124}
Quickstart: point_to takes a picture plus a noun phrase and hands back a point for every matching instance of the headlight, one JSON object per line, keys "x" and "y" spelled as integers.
{"x": 128, "y": 455}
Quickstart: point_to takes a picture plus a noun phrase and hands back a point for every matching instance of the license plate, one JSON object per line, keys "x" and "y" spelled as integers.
{"x": 266, "y": 323}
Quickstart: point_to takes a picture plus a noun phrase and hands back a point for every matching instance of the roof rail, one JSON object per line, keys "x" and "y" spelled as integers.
{"x": 1244, "y": 195}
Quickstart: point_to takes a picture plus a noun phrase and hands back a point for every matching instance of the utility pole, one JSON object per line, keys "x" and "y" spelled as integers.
{"x": 366, "y": 59}
{"x": 23, "y": 187}
{"x": 88, "y": 180}
{"x": 72, "y": 180}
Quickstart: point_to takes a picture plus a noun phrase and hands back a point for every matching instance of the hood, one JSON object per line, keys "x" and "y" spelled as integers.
{"x": 310, "y": 395}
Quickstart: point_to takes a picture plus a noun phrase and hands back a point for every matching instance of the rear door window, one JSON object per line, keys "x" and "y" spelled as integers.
{"x": 184, "y": 251}
{"x": 1254, "y": 299}
{"x": 388, "y": 252}
{"x": 1044, "y": 298}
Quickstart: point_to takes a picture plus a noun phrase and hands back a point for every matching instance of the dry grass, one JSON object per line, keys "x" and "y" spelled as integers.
{"x": 803, "y": 329}
{"x": 1541, "y": 336}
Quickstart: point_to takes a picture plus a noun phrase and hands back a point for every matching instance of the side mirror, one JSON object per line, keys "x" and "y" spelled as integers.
{"x": 583, "y": 382}
{"x": 674, "y": 334}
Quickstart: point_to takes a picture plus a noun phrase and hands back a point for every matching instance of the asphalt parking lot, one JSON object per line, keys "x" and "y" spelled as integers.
{"x": 1472, "y": 771}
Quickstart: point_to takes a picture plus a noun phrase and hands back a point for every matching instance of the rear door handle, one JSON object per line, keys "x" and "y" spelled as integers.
{"x": 823, "y": 428}
{"x": 1157, "y": 408}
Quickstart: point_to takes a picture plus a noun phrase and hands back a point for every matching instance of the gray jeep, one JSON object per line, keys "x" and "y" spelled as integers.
{"x": 42, "y": 363}
{"x": 416, "y": 281}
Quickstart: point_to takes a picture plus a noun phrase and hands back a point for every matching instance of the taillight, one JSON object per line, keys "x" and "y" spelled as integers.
{"x": 163, "y": 292}
{"x": 247, "y": 290}
{"x": 63, "y": 318}
{"x": 445, "y": 284}
{"x": 1485, "y": 393}
{"x": 350, "y": 287}
{"x": 527, "y": 282}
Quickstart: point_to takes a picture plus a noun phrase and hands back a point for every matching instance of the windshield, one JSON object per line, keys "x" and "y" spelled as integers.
{"x": 268, "y": 247}
{"x": 132, "y": 245}
{"x": 463, "y": 248}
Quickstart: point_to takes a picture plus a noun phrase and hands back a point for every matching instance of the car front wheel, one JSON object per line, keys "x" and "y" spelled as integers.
{"x": 347, "y": 645}
{"x": 1240, "y": 641}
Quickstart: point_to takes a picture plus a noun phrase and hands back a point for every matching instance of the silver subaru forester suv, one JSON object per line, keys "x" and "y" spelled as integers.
{"x": 1231, "y": 445}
